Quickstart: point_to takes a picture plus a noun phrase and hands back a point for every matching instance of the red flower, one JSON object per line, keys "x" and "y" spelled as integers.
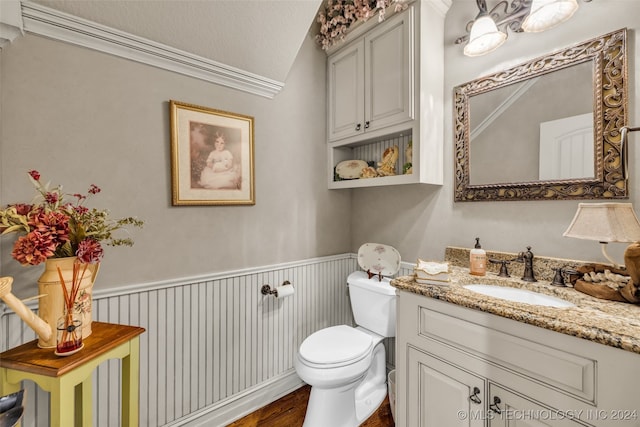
{"x": 81, "y": 210}
{"x": 23, "y": 208}
{"x": 55, "y": 228}
{"x": 89, "y": 251}
{"x": 51, "y": 198}
{"x": 33, "y": 249}
{"x": 55, "y": 225}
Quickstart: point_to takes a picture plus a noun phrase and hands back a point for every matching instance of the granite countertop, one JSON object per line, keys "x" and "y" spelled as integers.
{"x": 611, "y": 323}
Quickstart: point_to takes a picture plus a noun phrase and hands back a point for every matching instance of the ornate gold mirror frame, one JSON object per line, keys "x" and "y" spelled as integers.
{"x": 609, "y": 60}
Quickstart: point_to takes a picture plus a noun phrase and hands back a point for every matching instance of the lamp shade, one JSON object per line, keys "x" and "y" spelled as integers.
{"x": 545, "y": 14}
{"x": 484, "y": 37}
{"x": 605, "y": 222}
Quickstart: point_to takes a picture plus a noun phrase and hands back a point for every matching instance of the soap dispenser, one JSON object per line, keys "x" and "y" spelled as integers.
{"x": 478, "y": 260}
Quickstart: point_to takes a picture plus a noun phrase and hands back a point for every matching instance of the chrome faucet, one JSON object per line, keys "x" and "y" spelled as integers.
{"x": 527, "y": 259}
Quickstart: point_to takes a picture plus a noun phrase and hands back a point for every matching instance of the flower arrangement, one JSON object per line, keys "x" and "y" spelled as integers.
{"x": 54, "y": 228}
{"x": 339, "y": 15}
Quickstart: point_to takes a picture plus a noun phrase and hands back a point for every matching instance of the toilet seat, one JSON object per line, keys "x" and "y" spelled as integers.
{"x": 335, "y": 346}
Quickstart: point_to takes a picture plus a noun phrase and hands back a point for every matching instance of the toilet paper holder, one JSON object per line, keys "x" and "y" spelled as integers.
{"x": 267, "y": 290}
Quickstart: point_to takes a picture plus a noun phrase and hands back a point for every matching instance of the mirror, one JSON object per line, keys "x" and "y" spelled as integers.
{"x": 547, "y": 129}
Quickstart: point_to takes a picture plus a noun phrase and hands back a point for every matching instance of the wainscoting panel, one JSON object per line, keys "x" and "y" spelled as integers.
{"x": 209, "y": 341}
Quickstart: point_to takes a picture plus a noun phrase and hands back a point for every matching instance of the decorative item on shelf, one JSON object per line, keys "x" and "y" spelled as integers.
{"x": 387, "y": 167}
{"x": 407, "y": 168}
{"x": 59, "y": 234}
{"x": 488, "y": 30}
{"x": 338, "y": 16}
{"x": 369, "y": 171}
{"x": 350, "y": 169}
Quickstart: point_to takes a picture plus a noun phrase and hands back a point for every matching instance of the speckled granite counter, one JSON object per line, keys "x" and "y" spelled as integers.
{"x": 606, "y": 322}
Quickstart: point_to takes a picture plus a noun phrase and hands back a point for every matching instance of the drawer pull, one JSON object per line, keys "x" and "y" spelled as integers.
{"x": 474, "y": 397}
{"x": 358, "y": 126}
{"x": 494, "y": 406}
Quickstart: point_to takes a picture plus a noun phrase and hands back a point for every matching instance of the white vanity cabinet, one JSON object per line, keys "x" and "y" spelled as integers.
{"x": 435, "y": 383}
{"x": 371, "y": 80}
{"x": 385, "y": 87}
{"x": 462, "y": 367}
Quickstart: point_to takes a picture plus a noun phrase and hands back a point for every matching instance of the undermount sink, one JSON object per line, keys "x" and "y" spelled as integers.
{"x": 519, "y": 295}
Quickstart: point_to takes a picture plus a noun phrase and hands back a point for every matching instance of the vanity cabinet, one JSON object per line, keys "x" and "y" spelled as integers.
{"x": 462, "y": 367}
{"x": 385, "y": 88}
{"x": 436, "y": 383}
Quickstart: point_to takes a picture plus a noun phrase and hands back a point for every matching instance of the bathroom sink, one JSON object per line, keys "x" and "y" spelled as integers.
{"x": 519, "y": 295}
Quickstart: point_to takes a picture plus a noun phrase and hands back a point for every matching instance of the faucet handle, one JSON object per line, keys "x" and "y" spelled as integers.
{"x": 558, "y": 278}
{"x": 503, "y": 266}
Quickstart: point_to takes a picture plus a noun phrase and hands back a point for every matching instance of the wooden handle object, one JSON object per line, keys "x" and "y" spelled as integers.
{"x": 39, "y": 326}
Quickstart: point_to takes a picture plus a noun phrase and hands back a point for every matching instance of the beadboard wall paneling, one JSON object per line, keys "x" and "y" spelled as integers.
{"x": 209, "y": 342}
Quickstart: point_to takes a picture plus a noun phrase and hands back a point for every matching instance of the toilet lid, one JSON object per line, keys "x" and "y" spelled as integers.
{"x": 335, "y": 345}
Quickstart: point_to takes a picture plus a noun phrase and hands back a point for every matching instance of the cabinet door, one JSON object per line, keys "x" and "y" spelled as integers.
{"x": 508, "y": 409}
{"x": 440, "y": 394}
{"x": 388, "y": 69}
{"x": 346, "y": 92}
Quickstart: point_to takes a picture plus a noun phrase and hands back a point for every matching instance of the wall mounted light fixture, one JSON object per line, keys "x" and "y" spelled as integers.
{"x": 488, "y": 30}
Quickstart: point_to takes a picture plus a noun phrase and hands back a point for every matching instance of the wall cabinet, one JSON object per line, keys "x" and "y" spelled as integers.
{"x": 461, "y": 367}
{"x": 371, "y": 80}
{"x": 385, "y": 89}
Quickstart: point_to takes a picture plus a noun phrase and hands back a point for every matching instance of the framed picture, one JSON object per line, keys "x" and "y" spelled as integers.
{"x": 211, "y": 156}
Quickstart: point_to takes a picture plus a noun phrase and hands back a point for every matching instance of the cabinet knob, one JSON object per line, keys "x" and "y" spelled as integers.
{"x": 358, "y": 126}
{"x": 494, "y": 406}
{"x": 474, "y": 397}
{"x": 366, "y": 124}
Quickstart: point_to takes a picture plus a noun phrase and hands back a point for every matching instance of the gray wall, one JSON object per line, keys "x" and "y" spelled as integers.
{"x": 420, "y": 221}
{"x": 82, "y": 117}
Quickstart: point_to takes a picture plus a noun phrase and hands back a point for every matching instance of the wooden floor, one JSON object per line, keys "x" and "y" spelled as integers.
{"x": 289, "y": 411}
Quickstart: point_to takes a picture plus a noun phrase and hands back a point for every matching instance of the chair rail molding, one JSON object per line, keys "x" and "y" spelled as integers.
{"x": 51, "y": 23}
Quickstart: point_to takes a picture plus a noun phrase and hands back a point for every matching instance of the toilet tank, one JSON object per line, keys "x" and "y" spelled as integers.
{"x": 373, "y": 303}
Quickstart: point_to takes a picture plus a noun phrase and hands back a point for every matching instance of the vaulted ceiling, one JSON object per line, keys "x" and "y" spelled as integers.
{"x": 259, "y": 36}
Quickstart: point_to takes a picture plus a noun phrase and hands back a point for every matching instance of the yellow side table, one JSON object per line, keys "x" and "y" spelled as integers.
{"x": 68, "y": 379}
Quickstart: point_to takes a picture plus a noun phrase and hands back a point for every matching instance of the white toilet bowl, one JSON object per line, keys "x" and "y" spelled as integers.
{"x": 346, "y": 366}
{"x": 347, "y": 371}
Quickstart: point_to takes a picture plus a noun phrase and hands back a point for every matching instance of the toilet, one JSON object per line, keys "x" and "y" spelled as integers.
{"x": 345, "y": 365}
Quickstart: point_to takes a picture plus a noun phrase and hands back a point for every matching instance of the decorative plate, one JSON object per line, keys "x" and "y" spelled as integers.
{"x": 350, "y": 169}
{"x": 379, "y": 259}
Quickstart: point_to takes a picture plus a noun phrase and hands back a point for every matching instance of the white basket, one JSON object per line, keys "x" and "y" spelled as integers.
{"x": 391, "y": 383}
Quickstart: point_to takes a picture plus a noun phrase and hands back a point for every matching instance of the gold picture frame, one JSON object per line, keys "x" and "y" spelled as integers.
{"x": 211, "y": 156}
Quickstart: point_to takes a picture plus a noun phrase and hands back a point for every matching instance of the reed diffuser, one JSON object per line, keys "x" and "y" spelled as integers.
{"x": 69, "y": 326}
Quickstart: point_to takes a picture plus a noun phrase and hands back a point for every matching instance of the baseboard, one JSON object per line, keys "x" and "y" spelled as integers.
{"x": 232, "y": 409}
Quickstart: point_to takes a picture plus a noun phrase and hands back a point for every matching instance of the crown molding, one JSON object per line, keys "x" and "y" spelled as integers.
{"x": 442, "y": 6}
{"x": 61, "y": 26}
{"x": 10, "y": 21}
